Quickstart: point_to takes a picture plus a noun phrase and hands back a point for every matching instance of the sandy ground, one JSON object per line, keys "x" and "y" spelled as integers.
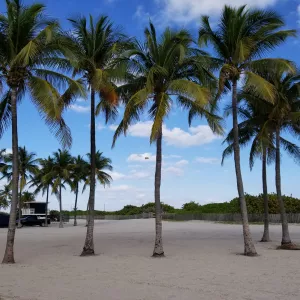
{"x": 202, "y": 262}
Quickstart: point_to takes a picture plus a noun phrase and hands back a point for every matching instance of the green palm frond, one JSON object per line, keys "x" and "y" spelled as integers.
{"x": 160, "y": 68}
{"x": 28, "y": 166}
{"x": 190, "y": 90}
{"x": 102, "y": 163}
{"x": 5, "y": 113}
{"x": 278, "y": 65}
{"x": 162, "y": 109}
{"x": 292, "y": 149}
{"x": 260, "y": 87}
{"x": 228, "y": 151}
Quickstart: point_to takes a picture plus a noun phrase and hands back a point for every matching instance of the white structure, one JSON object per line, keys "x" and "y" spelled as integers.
{"x": 34, "y": 208}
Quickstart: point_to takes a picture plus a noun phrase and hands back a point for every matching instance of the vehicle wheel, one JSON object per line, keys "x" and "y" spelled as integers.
{"x": 42, "y": 224}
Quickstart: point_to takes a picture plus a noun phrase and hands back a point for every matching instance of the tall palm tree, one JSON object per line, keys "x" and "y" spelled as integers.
{"x": 252, "y": 130}
{"x": 102, "y": 163}
{"x": 94, "y": 45}
{"x": 273, "y": 119}
{"x": 30, "y": 62}
{"x": 284, "y": 117}
{"x": 42, "y": 183}
{"x": 28, "y": 166}
{"x": 159, "y": 69}
{"x": 80, "y": 172}
{"x": 59, "y": 174}
{"x": 239, "y": 41}
{"x": 5, "y": 196}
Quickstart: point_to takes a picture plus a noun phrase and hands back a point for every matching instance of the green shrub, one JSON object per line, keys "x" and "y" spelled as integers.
{"x": 255, "y": 204}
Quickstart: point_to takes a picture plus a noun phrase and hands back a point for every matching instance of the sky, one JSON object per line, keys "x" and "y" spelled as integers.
{"x": 191, "y": 155}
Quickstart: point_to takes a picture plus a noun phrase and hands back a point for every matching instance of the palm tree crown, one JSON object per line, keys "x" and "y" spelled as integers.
{"x": 160, "y": 69}
{"x": 5, "y": 196}
{"x": 102, "y": 164}
{"x": 28, "y": 166}
{"x": 30, "y": 63}
{"x": 241, "y": 38}
{"x": 62, "y": 164}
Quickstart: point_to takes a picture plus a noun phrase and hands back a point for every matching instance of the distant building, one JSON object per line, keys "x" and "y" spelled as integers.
{"x": 34, "y": 209}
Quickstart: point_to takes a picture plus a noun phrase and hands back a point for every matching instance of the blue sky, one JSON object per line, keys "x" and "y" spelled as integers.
{"x": 191, "y": 167}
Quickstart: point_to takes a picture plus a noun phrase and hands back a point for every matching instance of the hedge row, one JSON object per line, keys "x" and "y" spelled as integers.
{"x": 254, "y": 205}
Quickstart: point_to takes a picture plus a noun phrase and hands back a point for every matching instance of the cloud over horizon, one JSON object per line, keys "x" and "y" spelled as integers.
{"x": 184, "y": 12}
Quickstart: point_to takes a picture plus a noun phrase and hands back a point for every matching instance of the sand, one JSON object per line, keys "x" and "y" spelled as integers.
{"x": 202, "y": 262}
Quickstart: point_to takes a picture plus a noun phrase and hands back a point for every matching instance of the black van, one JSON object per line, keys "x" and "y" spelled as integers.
{"x": 4, "y": 220}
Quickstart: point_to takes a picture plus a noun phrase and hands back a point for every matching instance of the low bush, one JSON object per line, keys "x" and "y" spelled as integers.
{"x": 255, "y": 205}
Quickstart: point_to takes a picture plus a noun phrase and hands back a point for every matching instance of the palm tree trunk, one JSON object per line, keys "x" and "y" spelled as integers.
{"x": 286, "y": 240}
{"x": 46, "y": 215}
{"x": 19, "y": 211}
{"x": 88, "y": 248}
{"x": 249, "y": 248}
{"x": 87, "y": 215}
{"x": 158, "y": 246}
{"x": 61, "y": 223}
{"x": 75, "y": 208}
{"x": 9, "y": 250}
{"x": 266, "y": 235}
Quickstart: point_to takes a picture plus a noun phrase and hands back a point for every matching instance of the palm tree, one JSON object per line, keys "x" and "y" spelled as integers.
{"x": 159, "y": 69}
{"x": 80, "y": 172}
{"x": 5, "y": 196}
{"x": 284, "y": 117}
{"x": 27, "y": 197}
{"x": 281, "y": 116}
{"x": 30, "y": 63}
{"x": 94, "y": 46}
{"x": 240, "y": 39}
{"x": 252, "y": 130}
{"x": 28, "y": 166}
{"x": 102, "y": 163}
{"x": 59, "y": 174}
{"x": 42, "y": 183}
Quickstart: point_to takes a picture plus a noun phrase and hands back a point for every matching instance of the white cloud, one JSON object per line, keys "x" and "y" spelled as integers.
{"x": 141, "y": 129}
{"x": 145, "y": 157}
{"x": 208, "y": 160}
{"x": 140, "y": 196}
{"x": 139, "y": 174}
{"x": 134, "y": 174}
{"x": 113, "y": 127}
{"x": 298, "y": 14}
{"x": 99, "y": 126}
{"x": 173, "y": 156}
{"x": 177, "y": 137}
{"x": 181, "y": 163}
{"x": 118, "y": 188}
{"x": 116, "y": 175}
{"x": 173, "y": 170}
{"x": 80, "y": 108}
{"x": 195, "y": 136}
{"x": 140, "y": 12}
{"x": 8, "y": 151}
{"x": 183, "y": 12}
{"x": 135, "y": 166}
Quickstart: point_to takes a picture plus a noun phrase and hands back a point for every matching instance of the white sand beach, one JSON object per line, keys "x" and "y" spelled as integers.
{"x": 202, "y": 262}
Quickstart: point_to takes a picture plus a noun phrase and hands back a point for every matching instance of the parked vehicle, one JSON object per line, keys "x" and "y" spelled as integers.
{"x": 32, "y": 221}
{"x": 4, "y": 220}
